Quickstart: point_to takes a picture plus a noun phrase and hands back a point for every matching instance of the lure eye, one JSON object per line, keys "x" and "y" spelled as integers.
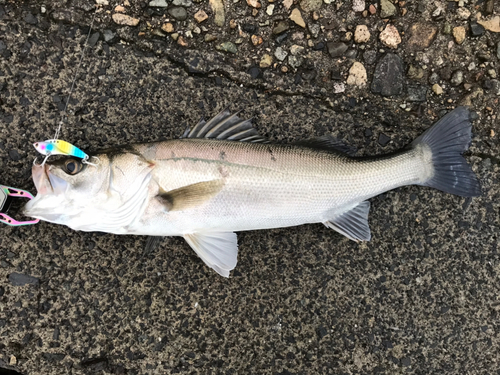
{"x": 73, "y": 166}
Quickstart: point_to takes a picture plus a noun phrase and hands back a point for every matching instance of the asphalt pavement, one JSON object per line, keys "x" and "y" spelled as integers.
{"x": 423, "y": 296}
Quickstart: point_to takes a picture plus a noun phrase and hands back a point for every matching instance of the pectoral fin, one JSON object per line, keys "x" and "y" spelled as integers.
{"x": 191, "y": 195}
{"x": 219, "y": 250}
{"x": 353, "y": 223}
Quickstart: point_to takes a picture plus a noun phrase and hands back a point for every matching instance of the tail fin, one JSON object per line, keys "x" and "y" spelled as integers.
{"x": 448, "y": 139}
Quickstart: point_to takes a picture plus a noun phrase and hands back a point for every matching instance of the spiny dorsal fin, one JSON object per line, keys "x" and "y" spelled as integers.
{"x": 190, "y": 196}
{"x": 353, "y": 223}
{"x": 328, "y": 143}
{"x": 226, "y": 126}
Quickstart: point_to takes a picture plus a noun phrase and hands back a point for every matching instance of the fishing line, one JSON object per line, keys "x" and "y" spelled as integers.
{"x": 57, "y": 146}
{"x": 64, "y": 114}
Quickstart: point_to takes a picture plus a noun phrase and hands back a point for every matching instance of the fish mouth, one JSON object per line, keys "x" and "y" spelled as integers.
{"x": 47, "y": 200}
{"x": 46, "y": 182}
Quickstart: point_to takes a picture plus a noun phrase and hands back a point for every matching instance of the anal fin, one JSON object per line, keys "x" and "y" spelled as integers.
{"x": 219, "y": 250}
{"x": 353, "y": 223}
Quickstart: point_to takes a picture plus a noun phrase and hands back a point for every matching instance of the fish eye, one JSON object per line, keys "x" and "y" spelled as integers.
{"x": 73, "y": 166}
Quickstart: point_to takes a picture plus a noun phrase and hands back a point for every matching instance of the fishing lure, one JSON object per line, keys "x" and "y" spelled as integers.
{"x": 60, "y": 147}
{"x": 6, "y": 196}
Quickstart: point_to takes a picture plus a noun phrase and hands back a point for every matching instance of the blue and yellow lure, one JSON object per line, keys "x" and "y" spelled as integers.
{"x": 60, "y": 147}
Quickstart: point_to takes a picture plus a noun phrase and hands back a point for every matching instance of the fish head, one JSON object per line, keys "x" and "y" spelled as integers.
{"x": 62, "y": 187}
{"x": 78, "y": 194}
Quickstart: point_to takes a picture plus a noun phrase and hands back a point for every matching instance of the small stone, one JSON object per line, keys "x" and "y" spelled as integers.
{"x": 457, "y": 78}
{"x": 210, "y": 38}
{"x": 347, "y": 37}
{"x": 310, "y": 5}
{"x": 254, "y": 3}
{"x": 388, "y": 76}
{"x": 284, "y": 68}
{"x": 296, "y": 50}
{"x": 19, "y": 279}
{"x": 422, "y": 35}
{"x": 447, "y": 29}
{"x": 280, "y": 38}
{"x": 316, "y": 16}
{"x": 280, "y": 53}
{"x": 174, "y": 36}
{"x": 179, "y": 13}
{"x": 336, "y": 49}
{"x": 108, "y": 35}
{"x": 287, "y": 4}
{"x": 417, "y": 93}
{"x": 295, "y": 61}
{"x": 256, "y": 40}
{"x": 387, "y": 9}
{"x": 299, "y": 35}
{"x": 488, "y": 9}
{"x": 102, "y": 2}
{"x": 120, "y": 9}
{"x": 358, "y": 5}
{"x": 270, "y": 9}
{"x": 183, "y": 3}
{"x": 463, "y": 13}
{"x": 123, "y": 19}
{"x": 158, "y": 3}
{"x": 255, "y": 72}
{"x": 415, "y": 72}
{"x": 281, "y": 27}
{"x": 357, "y": 75}
{"x": 383, "y": 140}
{"x": 319, "y": 46}
{"x": 372, "y": 9}
{"x": 218, "y": 9}
{"x": 250, "y": 28}
{"x": 362, "y": 34}
{"x": 459, "y": 34}
{"x": 314, "y": 29}
{"x": 181, "y": 41}
{"x": 492, "y": 85}
{"x": 12, "y": 360}
{"x": 233, "y": 24}
{"x": 227, "y": 47}
{"x": 492, "y": 73}
{"x": 434, "y": 78}
{"x": 338, "y": 87}
{"x": 200, "y": 16}
{"x": 297, "y": 18}
{"x": 390, "y": 36}
{"x": 438, "y": 90}
{"x": 168, "y": 27}
{"x": 266, "y": 61}
{"x": 476, "y": 29}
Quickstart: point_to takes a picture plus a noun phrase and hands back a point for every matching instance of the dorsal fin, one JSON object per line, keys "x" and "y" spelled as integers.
{"x": 226, "y": 126}
{"x": 327, "y": 143}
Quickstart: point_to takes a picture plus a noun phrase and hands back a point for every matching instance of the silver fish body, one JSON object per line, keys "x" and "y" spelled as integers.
{"x": 224, "y": 178}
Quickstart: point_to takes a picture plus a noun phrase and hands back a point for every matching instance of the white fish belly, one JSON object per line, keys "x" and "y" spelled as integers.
{"x": 270, "y": 186}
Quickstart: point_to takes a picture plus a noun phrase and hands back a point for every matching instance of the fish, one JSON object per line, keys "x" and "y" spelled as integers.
{"x": 222, "y": 177}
